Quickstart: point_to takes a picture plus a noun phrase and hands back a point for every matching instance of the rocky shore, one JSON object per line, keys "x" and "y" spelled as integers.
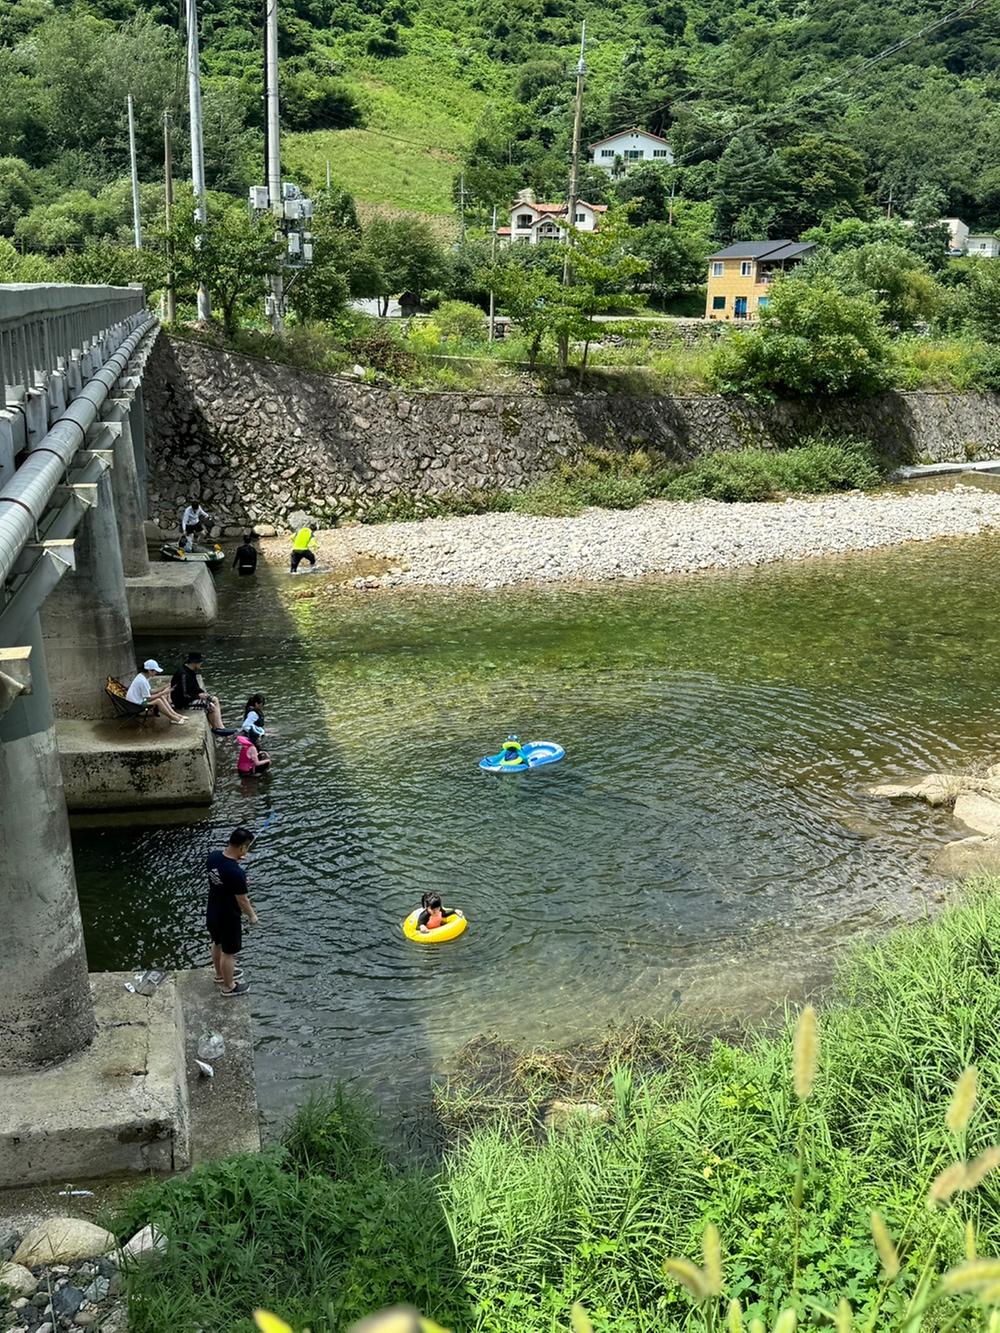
{"x": 663, "y": 537}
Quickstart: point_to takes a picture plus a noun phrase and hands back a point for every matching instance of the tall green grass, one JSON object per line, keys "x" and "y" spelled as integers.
{"x": 521, "y": 1222}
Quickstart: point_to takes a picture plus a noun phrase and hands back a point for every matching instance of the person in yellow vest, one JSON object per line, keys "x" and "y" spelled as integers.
{"x": 303, "y": 546}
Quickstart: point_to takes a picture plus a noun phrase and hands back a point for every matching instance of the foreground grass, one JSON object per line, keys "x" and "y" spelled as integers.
{"x": 518, "y": 1223}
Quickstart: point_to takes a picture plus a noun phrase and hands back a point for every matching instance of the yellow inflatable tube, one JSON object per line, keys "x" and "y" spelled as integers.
{"x": 451, "y": 929}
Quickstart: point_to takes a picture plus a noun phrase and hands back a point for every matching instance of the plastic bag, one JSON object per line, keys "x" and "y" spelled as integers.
{"x": 211, "y": 1045}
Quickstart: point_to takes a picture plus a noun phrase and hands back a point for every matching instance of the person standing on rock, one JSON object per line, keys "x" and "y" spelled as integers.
{"x": 303, "y": 546}
{"x": 228, "y": 904}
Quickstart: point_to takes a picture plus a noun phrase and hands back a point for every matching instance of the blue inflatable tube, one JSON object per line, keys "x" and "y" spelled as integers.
{"x": 536, "y": 754}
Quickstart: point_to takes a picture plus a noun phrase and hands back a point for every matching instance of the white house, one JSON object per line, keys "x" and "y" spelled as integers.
{"x": 532, "y": 222}
{"x": 618, "y": 152}
{"x": 963, "y": 242}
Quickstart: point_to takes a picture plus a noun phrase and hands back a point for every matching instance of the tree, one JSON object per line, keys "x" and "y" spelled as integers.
{"x": 406, "y": 256}
{"x": 647, "y": 189}
{"x": 818, "y": 177}
{"x": 980, "y": 300}
{"x": 897, "y": 279}
{"x": 813, "y": 338}
{"x": 235, "y": 257}
{"x": 312, "y": 101}
{"x": 534, "y": 300}
{"x": 676, "y": 257}
{"x": 15, "y": 192}
{"x": 604, "y": 269}
{"x": 744, "y": 188}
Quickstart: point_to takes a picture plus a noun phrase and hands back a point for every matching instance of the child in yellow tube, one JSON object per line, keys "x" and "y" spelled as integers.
{"x": 433, "y": 915}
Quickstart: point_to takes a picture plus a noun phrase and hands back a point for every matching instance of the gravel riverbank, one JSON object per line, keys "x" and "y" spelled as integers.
{"x": 663, "y": 537}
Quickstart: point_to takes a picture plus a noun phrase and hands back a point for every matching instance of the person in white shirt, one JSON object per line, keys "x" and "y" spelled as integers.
{"x": 141, "y": 696}
{"x": 192, "y": 520}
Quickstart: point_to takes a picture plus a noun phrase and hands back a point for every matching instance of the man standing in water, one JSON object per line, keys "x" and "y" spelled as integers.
{"x": 228, "y": 904}
{"x": 303, "y": 546}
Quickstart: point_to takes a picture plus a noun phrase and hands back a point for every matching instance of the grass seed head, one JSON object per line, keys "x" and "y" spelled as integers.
{"x": 805, "y": 1052}
{"x": 579, "y": 1319}
{"x": 712, "y": 1251}
{"x": 974, "y": 1276}
{"x": 946, "y": 1183}
{"x": 963, "y": 1102}
{"x": 734, "y": 1317}
{"x": 980, "y": 1167}
{"x": 690, "y": 1276}
{"x": 887, "y": 1252}
{"x": 843, "y": 1317}
{"x": 970, "y": 1239}
{"x": 786, "y": 1322}
{"x": 269, "y": 1323}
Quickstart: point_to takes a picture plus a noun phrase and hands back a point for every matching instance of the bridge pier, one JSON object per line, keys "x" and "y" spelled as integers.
{"x": 46, "y": 1011}
{"x": 85, "y": 619}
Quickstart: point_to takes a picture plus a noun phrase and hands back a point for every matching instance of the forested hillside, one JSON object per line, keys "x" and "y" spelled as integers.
{"x": 774, "y": 118}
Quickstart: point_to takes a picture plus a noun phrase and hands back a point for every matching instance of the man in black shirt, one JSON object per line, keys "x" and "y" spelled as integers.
{"x": 187, "y": 690}
{"x": 245, "y": 559}
{"x": 228, "y": 904}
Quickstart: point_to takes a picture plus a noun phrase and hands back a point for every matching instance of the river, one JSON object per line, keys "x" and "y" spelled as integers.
{"x": 706, "y": 847}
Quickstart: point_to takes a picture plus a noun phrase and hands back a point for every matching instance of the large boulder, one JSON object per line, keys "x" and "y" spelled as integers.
{"x": 980, "y": 811}
{"x": 61, "y": 1240}
{"x": 968, "y": 856}
{"x": 16, "y": 1281}
{"x": 935, "y": 789}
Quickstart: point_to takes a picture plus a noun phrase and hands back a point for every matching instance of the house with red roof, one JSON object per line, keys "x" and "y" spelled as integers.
{"x": 532, "y": 222}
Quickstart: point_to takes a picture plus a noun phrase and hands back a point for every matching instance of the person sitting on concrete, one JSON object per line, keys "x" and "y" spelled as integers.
{"x": 193, "y": 520}
{"x": 187, "y": 690}
{"x": 245, "y": 559}
{"x": 303, "y": 546}
{"x": 140, "y": 694}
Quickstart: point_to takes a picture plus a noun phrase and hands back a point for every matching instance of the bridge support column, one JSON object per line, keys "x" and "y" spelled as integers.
{"x": 129, "y": 504}
{"x": 46, "y": 1010}
{"x": 85, "y": 619}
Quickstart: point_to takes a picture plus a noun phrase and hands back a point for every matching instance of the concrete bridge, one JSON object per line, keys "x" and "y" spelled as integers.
{"x": 75, "y": 578}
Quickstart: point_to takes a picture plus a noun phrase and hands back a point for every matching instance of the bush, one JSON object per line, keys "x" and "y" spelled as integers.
{"x": 460, "y": 321}
{"x": 986, "y": 370}
{"x": 378, "y": 345}
{"x": 762, "y": 474}
{"x": 812, "y": 339}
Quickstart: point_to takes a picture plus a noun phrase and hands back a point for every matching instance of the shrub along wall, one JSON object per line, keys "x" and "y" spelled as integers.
{"x": 259, "y": 441}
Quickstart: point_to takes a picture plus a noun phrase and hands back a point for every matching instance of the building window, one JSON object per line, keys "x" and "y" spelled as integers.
{"x": 718, "y": 303}
{"x": 632, "y": 154}
{"x": 660, "y": 152}
{"x": 580, "y": 217}
{"x": 746, "y": 268}
{"x": 762, "y": 302}
{"x": 607, "y": 152}
{"x": 718, "y": 268}
{"x": 524, "y": 221}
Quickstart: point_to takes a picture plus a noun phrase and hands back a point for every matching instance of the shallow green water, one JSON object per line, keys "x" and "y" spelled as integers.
{"x": 706, "y": 844}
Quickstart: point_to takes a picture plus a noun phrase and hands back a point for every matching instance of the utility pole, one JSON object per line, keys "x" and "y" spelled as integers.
{"x": 136, "y": 219}
{"x": 328, "y": 186}
{"x": 168, "y": 208}
{"x": 197, "y": 144}
{"x": 888, "y": 211}
{"x": 274, "y": 193}
{"x": 461, "y": 207}
{"x": 574, "y": 185}
{"x": 670, "y": 211}
{"x": 493, "y": 260}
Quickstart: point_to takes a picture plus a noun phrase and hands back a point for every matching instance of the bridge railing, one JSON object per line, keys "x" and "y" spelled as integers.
{"x": 44, "y": 326}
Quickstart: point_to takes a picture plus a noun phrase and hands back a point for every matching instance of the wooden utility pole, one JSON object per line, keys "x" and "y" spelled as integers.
{"x": 493, "y": 260}
{"x": 168, "y": 207}
{"x": 134, "y": 164}
{"x": 574, "y": 186}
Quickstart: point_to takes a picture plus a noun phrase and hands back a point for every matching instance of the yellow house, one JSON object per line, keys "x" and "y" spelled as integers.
{"x": 740, "y": 277}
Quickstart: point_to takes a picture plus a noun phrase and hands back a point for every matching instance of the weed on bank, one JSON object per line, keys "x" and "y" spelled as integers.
{"x": 787, "y": 1154}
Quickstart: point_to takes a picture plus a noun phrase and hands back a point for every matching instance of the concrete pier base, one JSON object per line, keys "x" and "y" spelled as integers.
{"x": 133, "y": 1102}
{"x": 106, "y": 766}
{"x": 172, "y": 597}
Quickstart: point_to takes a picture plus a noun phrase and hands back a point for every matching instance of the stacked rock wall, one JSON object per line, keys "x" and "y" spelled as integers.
{"x": 259, "y": 441}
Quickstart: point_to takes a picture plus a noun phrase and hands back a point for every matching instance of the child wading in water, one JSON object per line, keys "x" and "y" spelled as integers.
{"x": 251, "y": 761}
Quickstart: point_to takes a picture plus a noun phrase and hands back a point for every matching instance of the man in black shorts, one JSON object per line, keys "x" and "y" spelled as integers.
{"x": 187, "y": 690}
{"x": 228, "y": 904}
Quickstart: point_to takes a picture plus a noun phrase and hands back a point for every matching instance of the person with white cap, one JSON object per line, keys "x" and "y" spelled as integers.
{"x": 140, "y": 695}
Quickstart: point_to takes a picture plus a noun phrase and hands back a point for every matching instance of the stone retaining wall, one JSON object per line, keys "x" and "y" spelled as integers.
{"x": 259, "y": 441}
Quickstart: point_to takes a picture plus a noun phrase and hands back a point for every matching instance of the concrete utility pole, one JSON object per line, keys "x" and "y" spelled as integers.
{"x": 574, "y": 184}
{"x": 461, "y": 207}
{"x": 168, "y": 208}
{"x": 197, "y": 142}
{"x": 493, "y": 260}
{"x": 273, "y": 120}
{"x": 136, "y": 219}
